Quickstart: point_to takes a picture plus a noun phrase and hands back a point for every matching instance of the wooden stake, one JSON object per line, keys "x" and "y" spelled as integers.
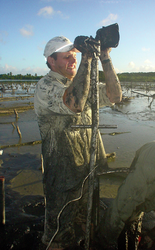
{"x": 13, "y": 124}
{"x": 31, "y": 143}
{"x": 42, "y": 164}
{"x": 2, "y": 201}
{"x": 16, "y": 113}
{"x": 18, "y": 130}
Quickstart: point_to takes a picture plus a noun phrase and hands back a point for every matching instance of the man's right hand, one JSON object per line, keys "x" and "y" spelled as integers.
{"x": 87, "y": 45}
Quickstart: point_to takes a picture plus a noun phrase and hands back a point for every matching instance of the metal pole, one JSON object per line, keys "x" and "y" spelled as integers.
{"x": 90, "y": 126}
{"x": 95, "y": 123}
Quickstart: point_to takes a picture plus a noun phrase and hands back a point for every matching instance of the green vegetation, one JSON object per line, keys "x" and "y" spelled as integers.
{"x": 124, "y": 77}
{"x": 10, "y": 76}
{"x": 132, "y": 77}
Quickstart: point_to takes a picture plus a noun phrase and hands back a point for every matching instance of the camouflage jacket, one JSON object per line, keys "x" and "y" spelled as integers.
{"x": 66, "y": 151}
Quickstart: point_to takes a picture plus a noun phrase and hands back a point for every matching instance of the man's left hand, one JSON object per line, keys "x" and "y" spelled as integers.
{"x": 87, "y": 45}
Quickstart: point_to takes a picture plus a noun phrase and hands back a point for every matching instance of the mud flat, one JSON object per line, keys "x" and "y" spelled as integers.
{"x": 20, "y": 164}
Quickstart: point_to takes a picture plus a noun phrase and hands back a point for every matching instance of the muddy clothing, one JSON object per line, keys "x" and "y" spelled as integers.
{"x": 135, "y": 195}
{"x": 66, "y": 152}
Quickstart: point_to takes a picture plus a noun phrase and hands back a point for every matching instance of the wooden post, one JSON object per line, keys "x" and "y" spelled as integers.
{"x": 2, "y": 201}
{"x": 16, "y": 113}
{"x": 95, "y": 123}
{"x": 19, "y": 133}
{"x": 13, "y": 124}
{"x": 42, "y": 164}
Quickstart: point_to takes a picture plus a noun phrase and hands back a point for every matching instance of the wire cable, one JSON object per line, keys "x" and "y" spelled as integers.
{"x": 58, "y": 217}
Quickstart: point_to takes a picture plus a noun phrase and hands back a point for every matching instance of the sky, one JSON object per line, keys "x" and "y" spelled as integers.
{"x": 27, "y": 25}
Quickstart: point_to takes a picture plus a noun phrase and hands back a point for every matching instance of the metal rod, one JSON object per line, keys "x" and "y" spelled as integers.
{"x": 95, "y": 123}
{"x": 90, "y": 126}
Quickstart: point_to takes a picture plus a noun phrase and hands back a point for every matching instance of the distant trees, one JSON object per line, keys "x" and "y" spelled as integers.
{"x": 132, "y": 77}
{"x": 124, "y": 77}
{"x": 9, "y": 76}
{"x": 137, "y": 77}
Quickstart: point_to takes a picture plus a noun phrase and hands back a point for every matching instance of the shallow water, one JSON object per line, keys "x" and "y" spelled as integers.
{"x": 11, "y": 88}
{"x": 135, "y": 127}
{"x": 134, "y": 120}
{"x": 21, "y": 166}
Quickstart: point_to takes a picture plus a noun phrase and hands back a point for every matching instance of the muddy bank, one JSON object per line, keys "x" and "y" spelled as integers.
{"x": 24, "y": 202}
{"x": 20, "y": 164}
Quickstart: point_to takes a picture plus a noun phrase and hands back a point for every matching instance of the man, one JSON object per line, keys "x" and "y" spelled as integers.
{"x": 62, "y": 98}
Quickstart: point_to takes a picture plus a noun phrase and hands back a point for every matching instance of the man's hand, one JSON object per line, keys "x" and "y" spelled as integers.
{"x": 108, "y": 36}
{"x": 87, "y": 45}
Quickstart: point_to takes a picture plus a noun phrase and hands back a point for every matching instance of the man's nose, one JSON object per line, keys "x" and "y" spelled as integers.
{"x": 73, "y": 60}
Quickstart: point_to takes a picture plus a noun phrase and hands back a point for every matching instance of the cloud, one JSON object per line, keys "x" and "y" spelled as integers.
{"x": 49, "y": 12}
{"x": 147, "y": 67}
{"x": 62, "y": 15}
{"x": 27, "y": 31}
{"x": 46, "y": 11}
{"x": 109, "y": 19}
{"x": 118, "y": 70}
{"x": 35, "y": 70}
{"x": 145, "y": 49}
{"x": 7, "y": 69}
{"x": 131, "y": 65}
{"x": 29, "y": 70}
{"x": 147, "y": 61}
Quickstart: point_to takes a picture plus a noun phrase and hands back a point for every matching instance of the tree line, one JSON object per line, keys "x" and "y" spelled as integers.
{"x": 10, "y": 76}
{"x": 124, "y": 77}
{"x": 132, "y": 77}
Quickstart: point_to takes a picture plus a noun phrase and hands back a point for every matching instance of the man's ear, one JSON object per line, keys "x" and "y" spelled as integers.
{"x": 51, "y": 61}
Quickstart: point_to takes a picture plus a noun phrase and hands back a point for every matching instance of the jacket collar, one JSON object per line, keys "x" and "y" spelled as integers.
{"x": 59, "y": 77}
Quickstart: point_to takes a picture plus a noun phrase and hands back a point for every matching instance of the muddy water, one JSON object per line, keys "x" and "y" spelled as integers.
{"x": 135, "y": 127}
{"x": 135, "y": 123}
{"x": 21, "y": 166}
{"x": 134, "y": 118}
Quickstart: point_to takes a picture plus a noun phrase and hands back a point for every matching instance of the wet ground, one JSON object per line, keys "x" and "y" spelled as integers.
{"x": 21, "y": 165}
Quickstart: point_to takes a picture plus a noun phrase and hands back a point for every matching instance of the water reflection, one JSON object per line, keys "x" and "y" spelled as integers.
{"x": 15, "y": 88}
{"x": 138, "y": 101}
{"x": 134, "y": 117}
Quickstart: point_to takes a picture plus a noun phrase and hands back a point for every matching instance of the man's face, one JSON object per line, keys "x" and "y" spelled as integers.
{"x": 65, "y": 64}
